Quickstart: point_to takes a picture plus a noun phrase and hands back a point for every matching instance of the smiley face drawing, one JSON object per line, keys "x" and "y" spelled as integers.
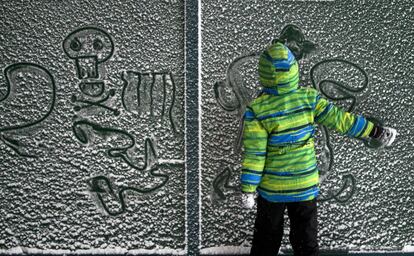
{"x": 89, "y": 47}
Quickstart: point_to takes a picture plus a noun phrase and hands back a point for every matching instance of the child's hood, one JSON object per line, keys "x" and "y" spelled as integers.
{"x": 278, "y": 69}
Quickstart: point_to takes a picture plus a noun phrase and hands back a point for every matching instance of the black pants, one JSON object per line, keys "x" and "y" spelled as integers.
{"x": 268, "y": 229}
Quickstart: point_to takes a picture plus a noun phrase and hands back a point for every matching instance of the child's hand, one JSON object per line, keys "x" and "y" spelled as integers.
{"x": 386, "y": 136}
{"x": 248, "y": 200}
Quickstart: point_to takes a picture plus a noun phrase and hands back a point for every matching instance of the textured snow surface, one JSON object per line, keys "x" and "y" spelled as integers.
{"x": 115, "y": 251}
{"x": 47, "y": 200}
{"x": 117, "y": 121}
{"x": 376, "y": 35}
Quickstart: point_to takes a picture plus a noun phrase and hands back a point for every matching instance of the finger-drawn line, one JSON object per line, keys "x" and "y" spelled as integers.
{"x": 347, "y": 93}
{"x": 327, "y": 144}
{"x": 151, "y": 163}
{"x": 127, "y": 83}
{"x": 5, "y": 89}
{"x": 139, "y": 94}
{"x": 92, "y": 89}
{"x": 9, "y": 70}
{"x": 93, "y": 183}
{"x": 124, "y": 87}
{"x": 14, "y": 68}
{"x": 221, "y": 183}
{"x": 349, "y": 181}
{"x": 16, "y": 146}
{"x": 344, "y": 89}
{"x": 292, "y": 36}
{"x": 151, "y": 97}
{"x": 170, "y": 112}
{"x": 80, "y": 132}
{"x": 95, "y": 187}
{"x": 240, "y": 99}
{"x": 98, "y": 103}
{"x": 164, "y": 92}
{"x": 78, "y": 45}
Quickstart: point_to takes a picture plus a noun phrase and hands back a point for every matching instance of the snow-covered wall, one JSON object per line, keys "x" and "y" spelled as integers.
{"x": 366, "y": 200}
{"x": 92, "y": 123}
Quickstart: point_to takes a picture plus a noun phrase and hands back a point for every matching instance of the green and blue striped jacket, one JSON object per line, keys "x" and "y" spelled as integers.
{"x": 279, "y": 154}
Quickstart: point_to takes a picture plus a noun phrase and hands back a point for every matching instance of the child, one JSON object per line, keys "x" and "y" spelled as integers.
{"x": 279, "y": 155}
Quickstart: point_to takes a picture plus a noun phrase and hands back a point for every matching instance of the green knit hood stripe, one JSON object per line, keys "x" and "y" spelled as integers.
{"x": 278, "y": 69}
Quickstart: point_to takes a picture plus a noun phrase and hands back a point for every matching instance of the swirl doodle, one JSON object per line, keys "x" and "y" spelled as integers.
{"x": 236, "y": 100}
{"x": 237, "y": 96}
{"x": 346, "y": 91}
{"x": 232, "y": 96}
{"x": 342, "y": 92}
{"x": 23, "y": 79}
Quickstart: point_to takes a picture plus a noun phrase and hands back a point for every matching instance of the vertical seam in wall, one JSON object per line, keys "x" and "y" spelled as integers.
{"x": 185, "y": 127}
{"x": 200, "y": 112}
{"x": 192, "y": 126}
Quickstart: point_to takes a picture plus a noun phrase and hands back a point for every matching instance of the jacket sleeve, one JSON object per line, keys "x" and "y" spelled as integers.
{"x": 346, "y": 123}
{"x": 254, "y": 156}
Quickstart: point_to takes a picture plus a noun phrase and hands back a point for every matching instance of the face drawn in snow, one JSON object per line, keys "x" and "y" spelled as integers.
{"x": 89, "y": 46}
{"x": 292, "y": 36}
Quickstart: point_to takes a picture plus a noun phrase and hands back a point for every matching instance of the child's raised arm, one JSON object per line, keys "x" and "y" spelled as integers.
{"x": 347, "y": 123}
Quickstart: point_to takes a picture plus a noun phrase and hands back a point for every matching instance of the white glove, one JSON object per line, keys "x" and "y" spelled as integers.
{"x": 248, "y": 200}
{"x": 387, "y": 137}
